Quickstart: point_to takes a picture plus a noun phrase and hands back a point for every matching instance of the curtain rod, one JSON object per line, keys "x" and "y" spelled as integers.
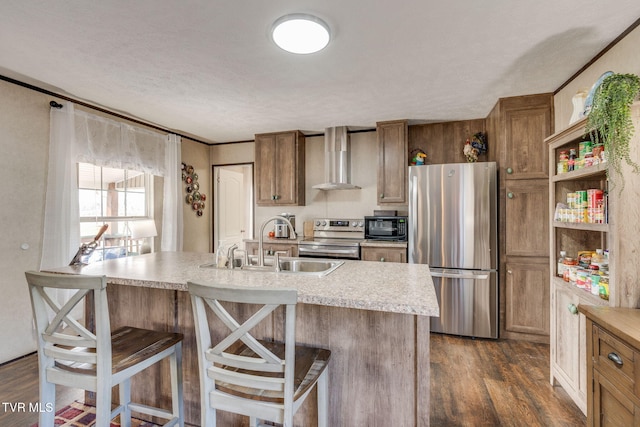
{"x": 93, "y": 107}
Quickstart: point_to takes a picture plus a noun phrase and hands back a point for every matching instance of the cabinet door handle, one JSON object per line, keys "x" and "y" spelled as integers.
{"x": 382, "y": 259}
{"x": 615, "y": 358}
{"x": 510, "y": 195}
{"x": 509, "y": 171}
{"x": 382, "y": 195}
{"x": 572, "y": 308}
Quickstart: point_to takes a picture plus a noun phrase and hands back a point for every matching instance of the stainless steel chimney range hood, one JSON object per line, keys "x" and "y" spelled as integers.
{"x": 337, "y": 160}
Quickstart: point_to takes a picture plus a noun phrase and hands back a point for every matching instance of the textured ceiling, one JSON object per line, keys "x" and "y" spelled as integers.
{"x": 208, "y": 68}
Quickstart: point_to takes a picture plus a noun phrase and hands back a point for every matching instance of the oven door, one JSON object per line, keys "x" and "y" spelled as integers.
{"x": 313, "y": 249}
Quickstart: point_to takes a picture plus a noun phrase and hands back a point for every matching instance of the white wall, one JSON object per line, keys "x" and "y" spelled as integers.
{"x": 24, "y": 130}
{"x": 622, "y": 58}
{"x": 197, "y": 229}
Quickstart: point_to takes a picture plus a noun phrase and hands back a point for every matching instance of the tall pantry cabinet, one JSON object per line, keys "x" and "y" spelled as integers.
{"x": 621, "y": 235}
{"x": 516, "y": 129}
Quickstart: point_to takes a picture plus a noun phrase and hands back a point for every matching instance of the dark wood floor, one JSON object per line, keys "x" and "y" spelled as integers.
{"x": 19, "y": 385}
{"x": 476, "y": 382}
{"x": 473, "y": 383}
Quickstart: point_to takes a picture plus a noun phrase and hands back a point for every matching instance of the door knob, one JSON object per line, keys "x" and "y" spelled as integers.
{"x": 509, "y": 171}
{"x": 572, "y": 308}
{"x": 382, "y": 259}
{"x": 510, "y": 195}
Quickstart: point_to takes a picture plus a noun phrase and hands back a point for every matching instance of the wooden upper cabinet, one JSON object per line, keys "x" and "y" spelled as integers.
{"x": 520, "y": 125}
{"x": 392, "y": 161}
{"x": 526, "y": 230}
{"x": 279, "y": 161}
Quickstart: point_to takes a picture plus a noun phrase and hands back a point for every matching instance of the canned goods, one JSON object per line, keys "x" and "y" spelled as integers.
{"x": 595, "y": 198}
{"x": 584, "y": 147}
{"x": 564, "y": 155}
{"x": 562, "y": 167}
{"x": 581, "y": 196}
{"x": 595, "y": 284}
{"x": 581, "y": 278}
{"x": 597, "y": 151}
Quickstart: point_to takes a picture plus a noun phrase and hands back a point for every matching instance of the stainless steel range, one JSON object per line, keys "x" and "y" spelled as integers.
{"x": 334, "y": 238}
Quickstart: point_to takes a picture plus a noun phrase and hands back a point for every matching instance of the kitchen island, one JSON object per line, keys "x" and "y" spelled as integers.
{"x": 374, "y": 317}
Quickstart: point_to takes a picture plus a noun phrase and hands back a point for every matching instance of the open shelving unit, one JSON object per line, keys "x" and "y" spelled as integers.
{"x": 621, "y": 235}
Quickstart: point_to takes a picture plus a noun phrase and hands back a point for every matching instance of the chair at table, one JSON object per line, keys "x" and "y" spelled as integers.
{"x": 93, "y": 358}
{"x": 264, "y": 380}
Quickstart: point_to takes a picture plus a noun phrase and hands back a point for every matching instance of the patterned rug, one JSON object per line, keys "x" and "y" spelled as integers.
{"x": 80, "y": 415}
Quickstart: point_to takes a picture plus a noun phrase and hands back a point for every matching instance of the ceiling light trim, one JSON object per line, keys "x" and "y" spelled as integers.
{"x": 284, "y": 28}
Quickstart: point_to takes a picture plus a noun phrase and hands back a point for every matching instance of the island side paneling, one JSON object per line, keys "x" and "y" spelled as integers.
{"x": 378, "y": 375}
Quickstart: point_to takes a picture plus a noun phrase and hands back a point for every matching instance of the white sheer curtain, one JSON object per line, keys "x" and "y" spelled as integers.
{"x": 78, "y": 136}
{"x": 61, "y": 237}
{"x": 172, "y": 212}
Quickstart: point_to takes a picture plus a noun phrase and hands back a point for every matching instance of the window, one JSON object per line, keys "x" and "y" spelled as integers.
{"x": 119, "y": 198}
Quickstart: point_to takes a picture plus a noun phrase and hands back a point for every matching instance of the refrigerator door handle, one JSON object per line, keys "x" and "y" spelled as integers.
{"x": 460, "y": 275}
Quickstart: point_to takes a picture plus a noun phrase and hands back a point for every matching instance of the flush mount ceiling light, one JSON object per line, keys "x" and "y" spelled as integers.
{"x": 300, "y": 33}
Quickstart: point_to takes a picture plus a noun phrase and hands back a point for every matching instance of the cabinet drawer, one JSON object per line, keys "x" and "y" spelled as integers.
{"x": 616, "y": 360}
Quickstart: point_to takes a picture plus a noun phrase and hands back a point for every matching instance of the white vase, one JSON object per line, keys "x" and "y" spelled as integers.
{"x": 578, "y": 105}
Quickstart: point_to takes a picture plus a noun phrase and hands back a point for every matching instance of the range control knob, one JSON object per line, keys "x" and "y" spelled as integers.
{"x": 361, "y": 224}
{"x": 324, "y": 223}
{"x": 317, "y": 222}
{"x": 354, "y": 223}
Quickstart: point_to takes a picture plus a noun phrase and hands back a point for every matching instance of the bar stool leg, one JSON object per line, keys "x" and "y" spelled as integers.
{"x": 323, "y": 399}
{"x": 125, "y": 399}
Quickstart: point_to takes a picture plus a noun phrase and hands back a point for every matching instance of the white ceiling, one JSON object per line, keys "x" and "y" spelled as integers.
{"x": 207, "y": 68}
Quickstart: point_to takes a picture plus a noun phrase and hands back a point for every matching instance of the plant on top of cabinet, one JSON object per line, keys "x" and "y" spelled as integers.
{"x": 279, "y": 161}
{"x": 609, "y": 121}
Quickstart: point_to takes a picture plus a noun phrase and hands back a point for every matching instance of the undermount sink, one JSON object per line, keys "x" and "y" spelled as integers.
{"x": 315, "y": 267}
{"x": 302, "y": 266}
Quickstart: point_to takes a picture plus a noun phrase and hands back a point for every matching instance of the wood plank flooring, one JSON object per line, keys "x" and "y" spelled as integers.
{"x": 476, "y": 382}
{"x": 473, "y": 383}
{"x": 19, "y": 384}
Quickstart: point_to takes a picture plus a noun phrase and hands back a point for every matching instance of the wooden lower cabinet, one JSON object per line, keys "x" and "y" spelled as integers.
{"x": 613, "y": 366}
{"x": 568, "y": 343}
{"x": 611, "y": 407}
{"x": 270, "y": 247}
{"x": 526, "y": 299}
{"x": 383, "y": 254}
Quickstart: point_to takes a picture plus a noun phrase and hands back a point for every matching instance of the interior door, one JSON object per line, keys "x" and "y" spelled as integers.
{"x": 232, "y": 210}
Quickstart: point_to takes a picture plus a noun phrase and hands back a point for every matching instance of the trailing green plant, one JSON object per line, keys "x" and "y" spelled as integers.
{"x": 609, "y": 121}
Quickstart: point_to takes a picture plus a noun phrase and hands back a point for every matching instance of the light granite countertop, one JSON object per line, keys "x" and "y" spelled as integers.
{"x": 367, "y": 285}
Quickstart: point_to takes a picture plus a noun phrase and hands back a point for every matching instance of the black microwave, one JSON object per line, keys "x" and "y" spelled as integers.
{"x": 385, "y": 228}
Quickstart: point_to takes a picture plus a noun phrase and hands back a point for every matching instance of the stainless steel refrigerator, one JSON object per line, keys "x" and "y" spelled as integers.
{"x": 453, "y": 228}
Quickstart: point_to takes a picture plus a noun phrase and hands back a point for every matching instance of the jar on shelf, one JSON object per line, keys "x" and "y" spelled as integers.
{"x": 603, "y": 292}
{"x": 561, "y": 265}
{"x": 572, "y": 159}
{"x": 589, "y": 159}
{"x": 597, "y": 151}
